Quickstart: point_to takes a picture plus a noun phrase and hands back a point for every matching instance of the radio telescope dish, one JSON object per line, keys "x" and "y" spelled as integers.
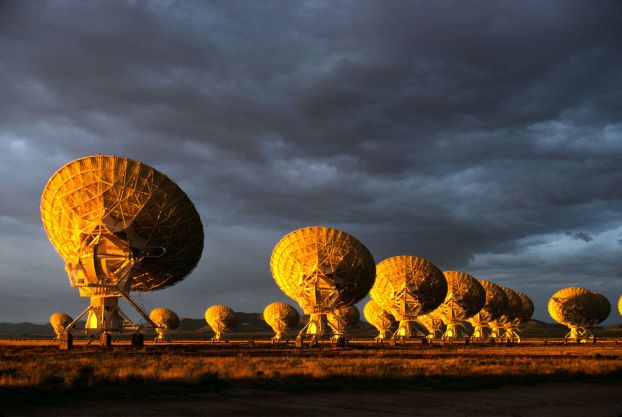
{"x": 221, "y": 319}
{"x": 166, "y": 320}
{"x": 504, "y": 327}
{"x": 349, "y": 315}
{"x": 579, "y": 309}
{"x": 524, "y": 314}
{"x": 496, "y": 304}
{"x": 433, "y": 324}
{"x": 342, "y": 319}
{"x": 281, "y": 317}
{"x": 465, "y": 298}
{"x": 60, "y": 322}
{"x": 528, "y": 308}
{"x": 407, "y": 287}
{"x": 120, "y": 226}
{"x": 382, "y": 320}
{"x": 323, "y": 269}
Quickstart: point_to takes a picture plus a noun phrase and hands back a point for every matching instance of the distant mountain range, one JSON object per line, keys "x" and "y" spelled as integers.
{"x": 252, "y": 325}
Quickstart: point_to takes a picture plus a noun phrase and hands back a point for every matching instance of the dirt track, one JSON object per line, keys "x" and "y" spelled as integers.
{"x": 570, "y": 399}
{"x": 185, "y": 379}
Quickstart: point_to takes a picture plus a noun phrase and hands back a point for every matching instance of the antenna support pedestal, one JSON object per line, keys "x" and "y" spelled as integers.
{"x": 66, "y": 341}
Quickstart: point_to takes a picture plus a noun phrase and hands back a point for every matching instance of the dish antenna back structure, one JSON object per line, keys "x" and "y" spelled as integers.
{"x": 166, "y": 321}
{"x": 281, "y": 317}
{"x": 323, "y": 269}
{"x": 380, "y": 319}
{"x": 465, "y": 298}
{"x": 407, "y": 287}
{"x": 496, "y": 304}
{"x": 221, "y": 319}
{"x": 433, "y": 324}
{"x": 524, "y": 314}
{"x": 579, "y": 309}
{"x": 120, "y": 226}
{"x": 342, "y": 319}
{"x": 59, "y": 322}
{"x": 510, "y": 315}
{"x": 519, "y": 308}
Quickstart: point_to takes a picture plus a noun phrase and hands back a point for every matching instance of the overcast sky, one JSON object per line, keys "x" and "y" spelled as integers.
{"x": 485, "y": 136}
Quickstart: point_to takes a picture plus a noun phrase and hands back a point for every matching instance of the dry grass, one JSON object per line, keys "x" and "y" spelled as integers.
{"x": 41, "y": 366}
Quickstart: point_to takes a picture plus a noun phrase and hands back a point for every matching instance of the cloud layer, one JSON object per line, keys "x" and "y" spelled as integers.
{"x": 487, "y": 137}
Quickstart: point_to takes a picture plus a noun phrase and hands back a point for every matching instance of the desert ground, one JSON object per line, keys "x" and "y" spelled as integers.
{"x": 183, "y": 378}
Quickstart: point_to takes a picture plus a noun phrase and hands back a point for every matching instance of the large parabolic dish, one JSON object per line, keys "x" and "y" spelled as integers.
{"x": 528, "y": 307}
{"x": 433, "y": 324}
{"x": 514, "y": 307}
{"x": 343, "y": 318}
{"x": 465, "y": 298}
{"x": 221, "y": 319}
{"x": 407, "y": 287}
{"x": 120, "y": 226}
{"x": 579, "y": 309}
{"x": 110, "y": 217}
{"x": 281, "y": 317}
{"x": 323, "y": 269}
{"x": 379, "y": 318}
{"x": 496, "y": 304}
{"x": 166, "y": 320}
{"x": 59, "y": 322}
{"x": 505, "y": 326}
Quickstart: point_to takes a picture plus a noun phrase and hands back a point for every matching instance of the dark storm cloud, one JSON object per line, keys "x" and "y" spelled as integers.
{"x": 581, "y": 236}
{"x": 485, "y": 136}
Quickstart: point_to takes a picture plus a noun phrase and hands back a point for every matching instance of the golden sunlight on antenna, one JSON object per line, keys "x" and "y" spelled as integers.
{"x": 120, "y": 226}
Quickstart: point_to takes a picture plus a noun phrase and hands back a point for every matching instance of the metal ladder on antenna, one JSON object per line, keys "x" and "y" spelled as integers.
{"x": 137, "y": 307}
